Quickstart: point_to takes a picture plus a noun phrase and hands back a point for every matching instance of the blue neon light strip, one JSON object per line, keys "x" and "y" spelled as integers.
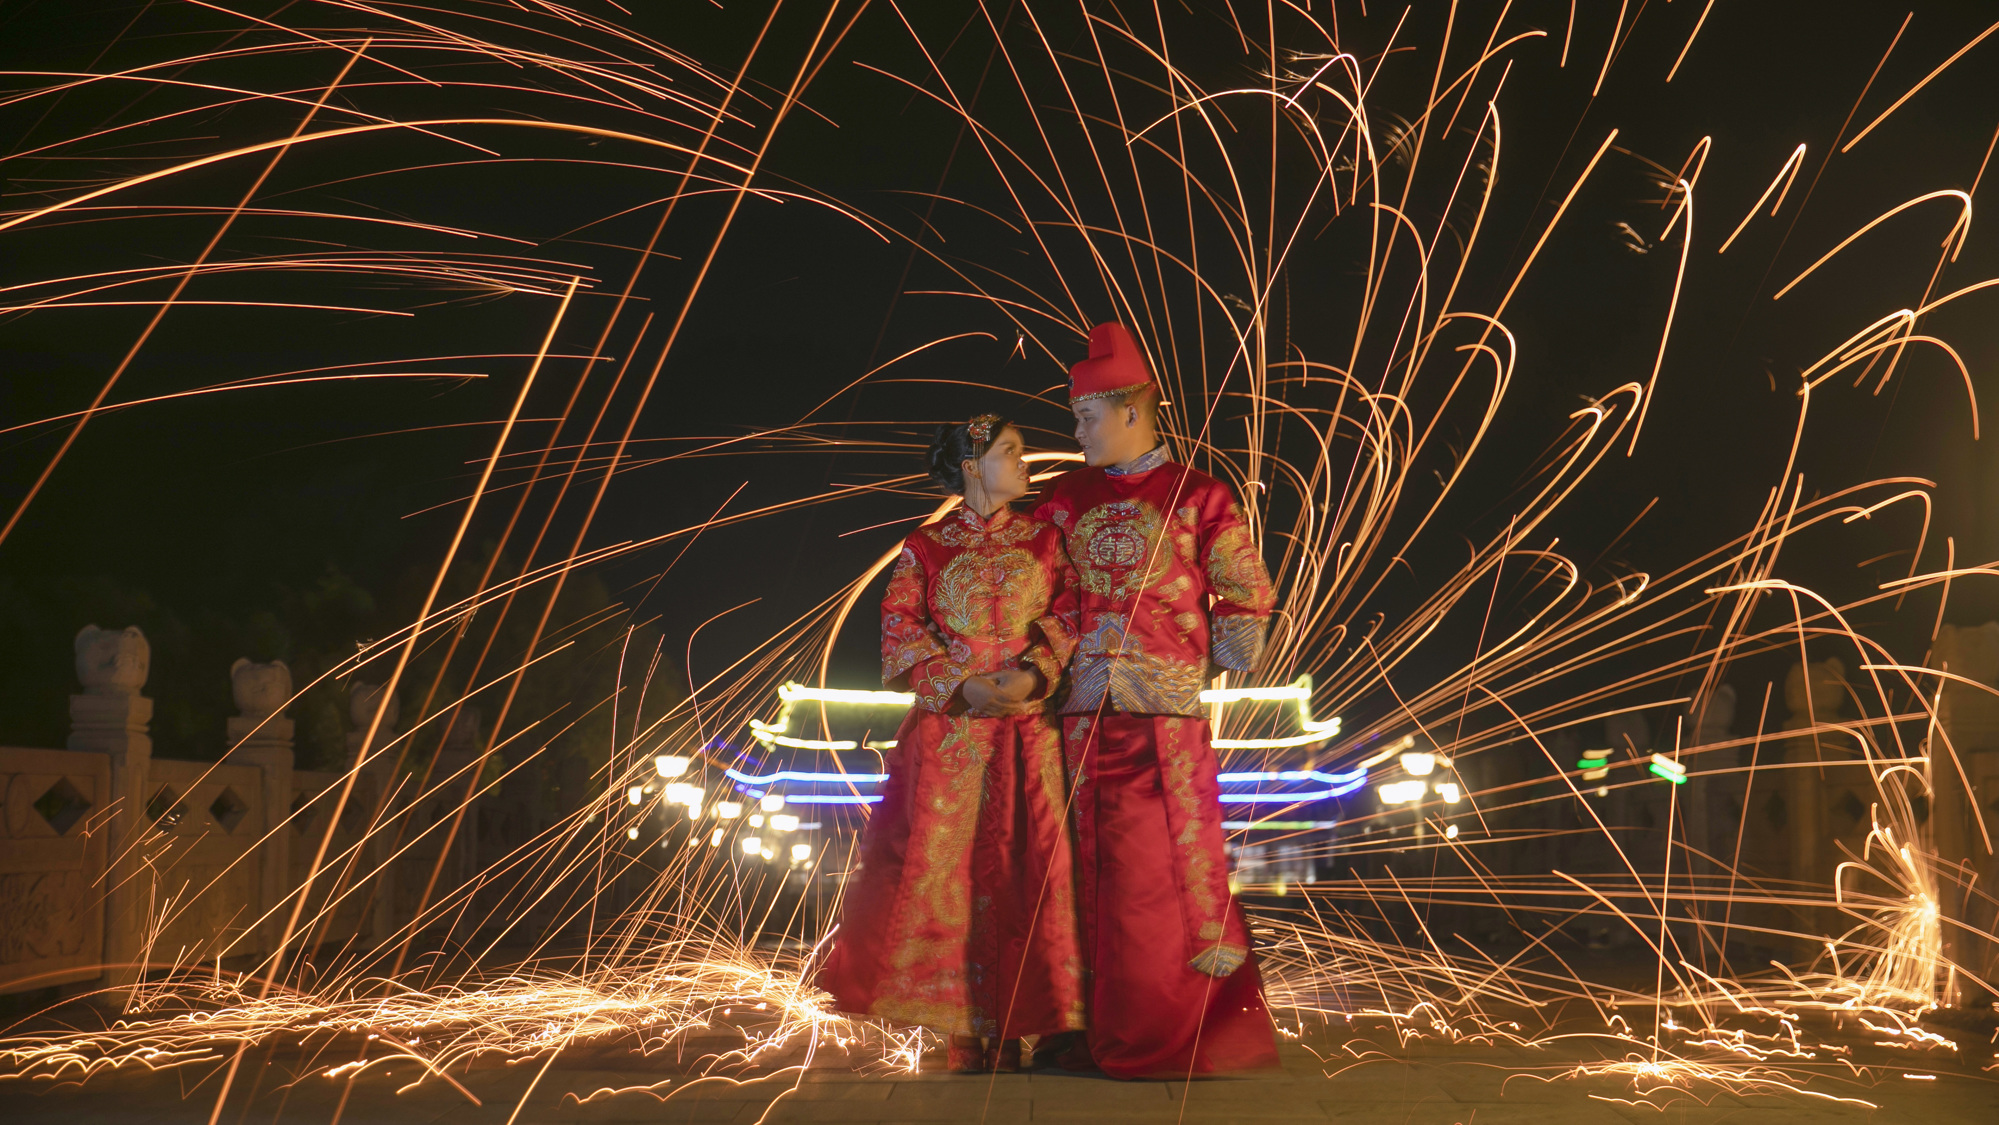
{"x": 794, "y": 775}
{"x": 1333, "y": 779}
{"x": 1339, "y": 785}
{"x": 827, "y": 799}
{"x": 1293, "y": 798}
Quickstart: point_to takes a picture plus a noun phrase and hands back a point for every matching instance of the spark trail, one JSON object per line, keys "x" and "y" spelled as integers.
{"x": 1446, "y": 543}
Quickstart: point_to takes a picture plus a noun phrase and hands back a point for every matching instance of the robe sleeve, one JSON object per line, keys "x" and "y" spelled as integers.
{"x": 1239, "y": 582}
{"x": 914, "y": 657}
{"x": 1053, "y": 634}
{"x": 1049, "y": 507}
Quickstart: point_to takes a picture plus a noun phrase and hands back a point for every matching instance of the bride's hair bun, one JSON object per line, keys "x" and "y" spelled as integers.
{"x": 956, "y": 444}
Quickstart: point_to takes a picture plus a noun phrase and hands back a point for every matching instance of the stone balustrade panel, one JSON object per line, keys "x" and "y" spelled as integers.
{"x": 52, "y": 859}
{"x": 348, "y": 865}
{"x": 426, "y": 834}
{"x": 205, "y": 821}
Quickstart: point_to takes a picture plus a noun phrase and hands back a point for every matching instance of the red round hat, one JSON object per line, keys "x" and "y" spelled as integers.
{"x": 1115, "y": 366}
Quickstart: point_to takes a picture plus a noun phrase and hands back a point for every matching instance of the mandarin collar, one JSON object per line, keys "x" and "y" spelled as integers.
{"x": 1144, "y": 463}
{"x": 970, "y": 518}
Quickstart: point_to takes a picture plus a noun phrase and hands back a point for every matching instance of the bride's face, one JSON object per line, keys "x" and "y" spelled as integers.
{"x": 1001, "y": 471}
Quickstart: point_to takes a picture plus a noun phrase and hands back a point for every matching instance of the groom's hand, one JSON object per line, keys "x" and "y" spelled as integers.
{"x": 1014, "y": 685}
{"x": 1000, "y": 693}
{"x": 981, "y": 695}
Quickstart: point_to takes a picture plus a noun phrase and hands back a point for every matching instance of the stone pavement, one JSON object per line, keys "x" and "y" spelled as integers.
{"x": 1372, "y": 1080}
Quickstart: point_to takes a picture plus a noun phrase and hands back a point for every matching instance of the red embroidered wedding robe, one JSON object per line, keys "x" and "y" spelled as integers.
{"x": 1169, "y": 584}
{"x": 962, "y": 914}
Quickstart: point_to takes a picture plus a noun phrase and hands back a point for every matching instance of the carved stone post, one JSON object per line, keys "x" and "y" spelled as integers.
{"x": 262, "y": 736}
{"x": 362, "y": 700}
{"x": 111, "y": 718}
{"x": 377, "y": 761}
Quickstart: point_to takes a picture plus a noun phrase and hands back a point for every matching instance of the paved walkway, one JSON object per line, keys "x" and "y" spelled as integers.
{"x": 1371, "y": 1080}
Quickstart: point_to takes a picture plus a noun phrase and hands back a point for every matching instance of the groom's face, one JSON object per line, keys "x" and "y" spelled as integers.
{"x": 1108, "y": 431}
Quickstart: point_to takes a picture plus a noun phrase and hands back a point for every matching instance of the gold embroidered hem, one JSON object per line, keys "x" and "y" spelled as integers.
{"x": 1114, "y": 392}
{"x": 1137, "y": 683}
{"x": 1219, "y": 960}
{"x": 1239, "y": 640}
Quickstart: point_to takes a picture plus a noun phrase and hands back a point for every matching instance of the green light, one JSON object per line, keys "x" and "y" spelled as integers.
{"x": 1668, "y": 774}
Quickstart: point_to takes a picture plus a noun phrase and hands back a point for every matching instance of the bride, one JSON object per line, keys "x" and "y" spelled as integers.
{"x": 962, "y": 915}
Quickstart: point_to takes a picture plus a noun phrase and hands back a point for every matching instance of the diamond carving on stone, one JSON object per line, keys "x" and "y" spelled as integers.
{"x": 62, "y": 805}
{"x": 1852, "y": 808}
{"x": 304, "y": 812}
{"x": 228, "y": 809}
{"x": 166, "y": 809}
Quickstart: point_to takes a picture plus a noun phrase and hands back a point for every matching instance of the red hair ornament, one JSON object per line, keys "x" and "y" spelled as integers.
{"x": 980, "y": 429}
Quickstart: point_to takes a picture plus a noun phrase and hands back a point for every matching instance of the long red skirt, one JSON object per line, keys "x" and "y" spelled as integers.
{"x": 962, "y": 914}
{"x": 1154, "y": 889}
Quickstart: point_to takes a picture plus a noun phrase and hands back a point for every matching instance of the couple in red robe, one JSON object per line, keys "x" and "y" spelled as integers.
{"x": 975, "y": 911}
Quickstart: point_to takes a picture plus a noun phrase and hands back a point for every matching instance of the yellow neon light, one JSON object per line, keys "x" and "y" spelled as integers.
{"x": 793, "y": 692}
{"x": 1401, "y": 792}
{"x": 1232, "y": 695}
{"x": 1299, "y": 691}
{"x": 1389, "y": 751}
{"x": 768, "y": 735}
{"x": 1305, "y": 739}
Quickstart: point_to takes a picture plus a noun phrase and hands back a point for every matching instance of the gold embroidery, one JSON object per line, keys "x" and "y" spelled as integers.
{"x": 906, "y": 639}
{"x": 1236, "y": 572}
{"x": 1171, "y": 591}
{"x": 1219, "y": 960}
{"x": 1117, "y": 558}
{"x": 1138, "y": 683}
{"x": 1176, "y": 770}
{"x": 1075, "y": 747}
{"x": 1236, "y": 641}
{"x": 1015, "y": 530}
{"x": 926, "y": 986}
{"x": 1050, "y": 655}
{"x": 964, "y": 528}
{"x": 991, "y": 596}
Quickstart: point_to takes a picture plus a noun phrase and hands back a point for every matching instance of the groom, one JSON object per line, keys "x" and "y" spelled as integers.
{"x": 1171, "y": 585}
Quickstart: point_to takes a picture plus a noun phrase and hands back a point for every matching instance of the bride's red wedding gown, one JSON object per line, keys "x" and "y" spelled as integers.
{"x": 962, "y": 914}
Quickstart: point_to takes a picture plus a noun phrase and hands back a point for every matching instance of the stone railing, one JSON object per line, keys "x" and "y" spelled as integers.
{"x": 52, "y": 855}
{"x": 114, "y": 862}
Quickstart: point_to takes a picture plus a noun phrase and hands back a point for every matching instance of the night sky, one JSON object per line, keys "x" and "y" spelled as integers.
{"x": 227, "y": 510}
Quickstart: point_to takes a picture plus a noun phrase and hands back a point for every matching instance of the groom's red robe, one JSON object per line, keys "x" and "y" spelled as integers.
{"x": 1170, "y": 585}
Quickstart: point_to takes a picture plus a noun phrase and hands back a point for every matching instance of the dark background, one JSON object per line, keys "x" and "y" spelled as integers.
{"x": 295, "y": 521}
